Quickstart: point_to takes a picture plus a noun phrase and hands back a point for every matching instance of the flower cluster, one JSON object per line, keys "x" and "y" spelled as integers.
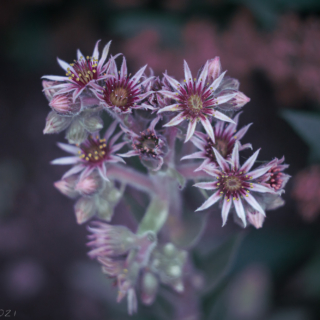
{"x": 147, "y": 116}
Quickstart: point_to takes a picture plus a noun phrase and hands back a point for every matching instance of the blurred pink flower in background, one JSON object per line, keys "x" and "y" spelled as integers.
{"x": 288, "y": 55}
{"x": 306, "y": 192}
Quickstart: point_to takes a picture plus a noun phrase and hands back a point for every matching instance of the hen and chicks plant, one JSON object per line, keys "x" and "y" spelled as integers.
{"x": 110, "y": 115}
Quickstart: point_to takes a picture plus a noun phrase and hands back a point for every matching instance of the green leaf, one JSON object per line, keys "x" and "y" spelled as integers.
{"x": 307, "y": 125}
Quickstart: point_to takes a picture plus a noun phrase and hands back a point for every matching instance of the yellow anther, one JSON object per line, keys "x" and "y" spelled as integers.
{"x": 247, "y": 195}
{"x": 90, "y": 155}
{"x": 70, "y": 78}
{"x": 100, "y": 147}
{"x": 221, "y": 192}
{"x": 103, "y": 153}
{"x": 87, "y": 158}
{"x": 211, "y": 88}
{"x": 79, "y": 152}
{"x": 88, "y": 57}
{"x": 96, "y": 158}
{"x": 234, "y": 198}
{"x": 104, "y": 145}
{"x": 228, "y": 200}
{"x": 78, "y": 79}
{"x": 184, "y": 80}
{"x": 235, "y": 137}
{"x": 218, "y": 184}
{"x": 195, "y": 79}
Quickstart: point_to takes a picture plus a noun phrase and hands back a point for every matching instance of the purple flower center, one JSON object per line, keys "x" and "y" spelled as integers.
{"x": 223, "y": 146}
{"x": 84, "y": 70}
{"x": 93, "y": 150}
{"x": 233, "y": 184}
{"x": 194, "y": 104}
{"x": 147, "y": 144}
{"x": 119, "y": 97}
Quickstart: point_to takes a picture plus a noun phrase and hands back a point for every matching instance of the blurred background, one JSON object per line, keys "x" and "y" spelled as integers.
{"x": 271, "y": 46}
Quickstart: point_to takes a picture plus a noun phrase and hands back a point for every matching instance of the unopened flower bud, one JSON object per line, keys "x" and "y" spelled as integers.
{"x": 149, "y": 288}
{"x": 255, "y": 218}
{"x": 67, "y": 186}
{"x": 92, "y": 123}
{"x": 214, "y": 69}
{"x": 64, "y": 105}
{"x": 90, "y": 185}
{"x": 76, "y": 133}
{"x": 84, "y": 209}
{"x": 48, "y": 91}
{"x": 239, "y": 100}
{"x": 56, "y": 123}
{"x": 169, "y": 250}
{"x": 108, "y": 240}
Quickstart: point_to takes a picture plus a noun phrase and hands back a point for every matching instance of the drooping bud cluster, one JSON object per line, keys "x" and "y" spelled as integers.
{"x": 153, "y": 116}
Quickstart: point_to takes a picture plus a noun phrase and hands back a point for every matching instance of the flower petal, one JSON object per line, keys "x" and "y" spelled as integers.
{"x": 215, "y": 84}
{"x": 259, "y": 172}
{"x": 250, "y": 162}
{"x": 240, "y": 210}
{"x": 55, "y": 78}
{"x": 173, "y": 82}
{"x": 129, "y": 154}
{"x": 253, "y": 203}
{"x": 208, "y": 127}
{"x": 206, "y": 185}
{"x": 196, "y": 155}
{"x": 221, "y": 116}
{"x": 110, "y": 130}
{"x": 65, "y": 160}
{"x": 64, "y": 65}
{"x": 235, "y": 164}
{"x": 225, "y": 98}
{"x": 225, "y": 210}
{"x": 138, "y": 75}
{"x": 95, "y": 53}
{"x": 175, "y": 121}
{"x": 191, "y": 129}
{"x": 123, "y": 70}
{"x": 172, "y": 107}
{"x": 221, "y": 161}
{"x": 68, "y": 148}
{"x": 103, "y": 171}
{"x": 210, "y": 201}
{"x": 260, "y": 188}
{"x": 239, "y": 135}
{"x": 73, "y": 170}
{"x": 104, "y": 55}
{"x": 187, "y": 73}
